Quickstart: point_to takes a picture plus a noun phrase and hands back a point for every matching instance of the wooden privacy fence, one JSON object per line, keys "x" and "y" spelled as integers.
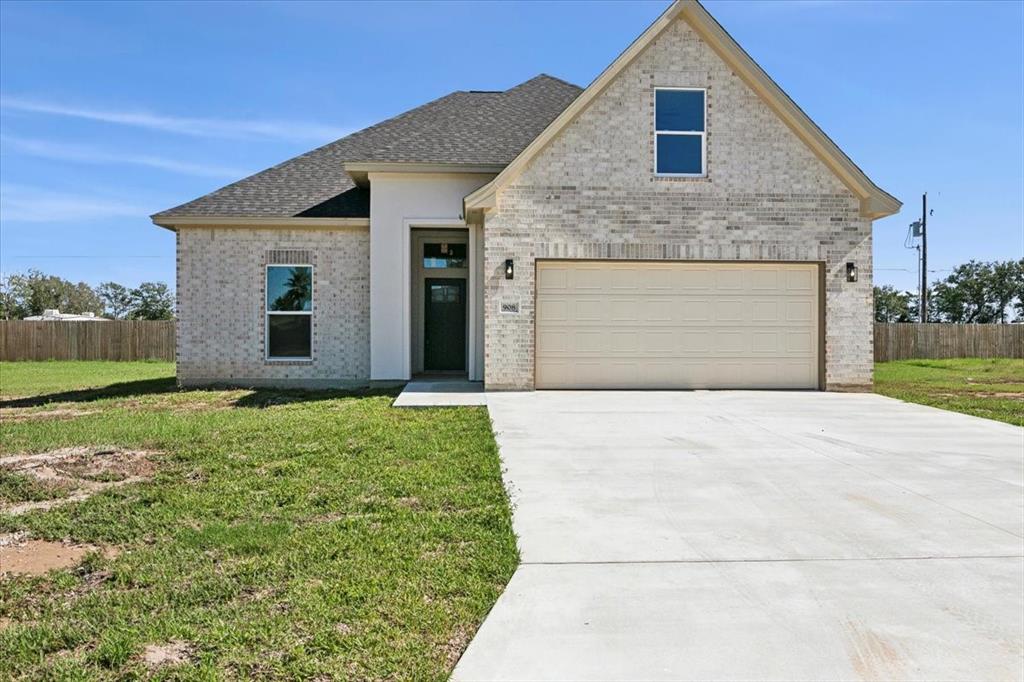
{"x": 108, "y": 340}
{"x": 907, "y": 341}
{"x": 154, "y": 340}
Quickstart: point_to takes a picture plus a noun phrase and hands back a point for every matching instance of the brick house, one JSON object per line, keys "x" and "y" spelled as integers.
{"x": 679, "y": 223}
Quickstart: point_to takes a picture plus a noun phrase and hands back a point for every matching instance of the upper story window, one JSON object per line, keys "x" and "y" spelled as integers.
{"x": 289, "y": 312}
{"x": 679, "y": 132}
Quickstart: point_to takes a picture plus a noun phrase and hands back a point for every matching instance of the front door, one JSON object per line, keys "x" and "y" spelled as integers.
{"x": 444, "y": 325}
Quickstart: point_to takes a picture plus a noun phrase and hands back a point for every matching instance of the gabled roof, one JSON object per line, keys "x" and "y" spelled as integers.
{"x": 875, "y": 202}
{"x": 480, "y": 129}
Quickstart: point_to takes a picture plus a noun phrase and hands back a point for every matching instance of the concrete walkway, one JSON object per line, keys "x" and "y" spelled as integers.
{"x": 441, "y": 392}
{"x": 756, "y": 535}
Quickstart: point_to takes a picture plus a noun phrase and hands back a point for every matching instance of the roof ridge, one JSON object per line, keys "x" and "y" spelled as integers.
{"x": 556, "y": 78}
{"x": 542, "y": 77}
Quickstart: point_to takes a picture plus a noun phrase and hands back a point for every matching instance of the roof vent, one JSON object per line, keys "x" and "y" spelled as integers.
{"x": 51, "y": 312}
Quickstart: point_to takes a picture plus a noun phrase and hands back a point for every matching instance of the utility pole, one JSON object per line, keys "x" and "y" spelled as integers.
{"x": 924, "y": 257}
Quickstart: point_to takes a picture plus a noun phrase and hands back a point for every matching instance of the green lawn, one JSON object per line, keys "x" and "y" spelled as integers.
{"x": 40, "y": 378}
{"x": 992, "y": 388}
{"x": 280, "y": 534}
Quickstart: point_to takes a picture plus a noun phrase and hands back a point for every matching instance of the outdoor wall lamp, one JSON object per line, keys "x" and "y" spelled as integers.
{"x": 509, "y": 269}
{"x": 851, "y": 272}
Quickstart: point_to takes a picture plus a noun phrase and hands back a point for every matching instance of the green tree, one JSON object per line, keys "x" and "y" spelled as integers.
{"x": 151, "y": 301}
{"x": 1007, "y": 288}
{"x": 117, "y": 299}
{"x": 892, "y": 305}
{"x": 33, "y": 292}
{"x": 979, "y": 292}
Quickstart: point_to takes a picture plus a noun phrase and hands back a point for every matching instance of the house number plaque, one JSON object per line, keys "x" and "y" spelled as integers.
{"x": 508, "y": 306}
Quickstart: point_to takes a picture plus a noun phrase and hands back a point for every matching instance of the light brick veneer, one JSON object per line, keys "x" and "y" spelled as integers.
{"x": 221, "y": 307}
{"x": 592, "y": 193}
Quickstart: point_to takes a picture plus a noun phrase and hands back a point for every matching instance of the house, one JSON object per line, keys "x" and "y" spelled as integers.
{"x": 54, "y": 315}
{"x": 679, "y": 223}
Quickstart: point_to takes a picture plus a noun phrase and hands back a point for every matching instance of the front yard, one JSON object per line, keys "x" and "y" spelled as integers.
{"x": 991, "y": 388}
{"x": 239, "y": 533}
{"x": 147, "y": 531}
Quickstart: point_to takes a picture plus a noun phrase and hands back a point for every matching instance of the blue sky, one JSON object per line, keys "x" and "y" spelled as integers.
{"x": 110, "y": 112}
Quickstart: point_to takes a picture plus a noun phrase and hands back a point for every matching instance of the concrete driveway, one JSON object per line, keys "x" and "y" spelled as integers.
{"x": 756, "y": 535}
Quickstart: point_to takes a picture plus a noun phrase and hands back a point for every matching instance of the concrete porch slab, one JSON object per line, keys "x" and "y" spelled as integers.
{"x": 441, "y": 392}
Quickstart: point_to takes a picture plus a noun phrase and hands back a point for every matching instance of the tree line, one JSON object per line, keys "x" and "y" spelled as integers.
{"x": 974, "y": 293}
{"x": 30, "y": 293}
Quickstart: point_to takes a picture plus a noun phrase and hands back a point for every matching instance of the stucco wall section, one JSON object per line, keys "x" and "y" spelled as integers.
{"x": 592, "y": 193}
{"x": 221, "y": 307}
{"x": 400, "y": 202}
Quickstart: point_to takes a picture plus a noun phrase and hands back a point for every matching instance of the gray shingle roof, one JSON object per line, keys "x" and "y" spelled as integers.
{"x": 481, "y": 128}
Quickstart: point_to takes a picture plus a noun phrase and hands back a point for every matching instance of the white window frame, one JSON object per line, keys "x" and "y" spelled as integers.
{"x": 692, "y": 133}
{"x": 267, "y": 312}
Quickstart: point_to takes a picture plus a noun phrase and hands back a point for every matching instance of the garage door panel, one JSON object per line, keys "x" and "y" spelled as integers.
{"x": 695, "y": 278}
{"x": 588, "y": 310}
{"x": 590, "y": 279}
{"x": 764, "y": 310}
{"x": 728, "y": 310}
{"x": 626, "y": 279}
{"x": 657, "y": 310}
{"x": 799, "y": 311}
{"x": 637, "y": 324}
{"x": 764, "y": 342}
{"x": 799, "y": 343}
{"x": 764, "y": 280}
{"x": 728, "y": 279}
{"x": 695, "y": 310}
{"x": 730, "y": 342}
{"x": 624, "y": 310}
{"x": 552, "y": 310}
{"x": 625, "y": 341}
{"x": 553, "y": 279}
{"x": 553, "y": 341}
{"x": 590, "y": 342}
{"x": 800, "y": 280}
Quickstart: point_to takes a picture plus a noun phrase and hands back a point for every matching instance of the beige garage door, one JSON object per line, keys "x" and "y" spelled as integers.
{"x": 628, "y": 324}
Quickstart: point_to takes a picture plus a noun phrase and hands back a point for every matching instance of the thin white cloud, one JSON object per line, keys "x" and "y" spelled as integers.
{"x": 95, "y": 155}
{"x": 20, "y": 203}
{"x": 196, "y": 127}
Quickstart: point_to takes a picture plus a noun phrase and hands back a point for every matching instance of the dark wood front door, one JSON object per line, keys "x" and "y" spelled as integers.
{"x": 444, "y": 325}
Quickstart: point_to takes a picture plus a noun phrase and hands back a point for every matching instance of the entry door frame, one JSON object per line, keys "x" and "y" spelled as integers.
{"x": 420, "y": 234}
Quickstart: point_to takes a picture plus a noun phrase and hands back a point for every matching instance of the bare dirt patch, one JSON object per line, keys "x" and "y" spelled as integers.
{"x": 965, "y": 393}
{"x": 175, "y": 652}
{"x": 456, "y": 644}
{"x": 179, "y": 404}
{"x": 81, "y": 472}
{"x": 22, "y": 556}
{"x": 15, "y": 415}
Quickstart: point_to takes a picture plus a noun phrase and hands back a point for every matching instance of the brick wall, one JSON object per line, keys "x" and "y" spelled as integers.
{"x": 592, "y": 193}
{"x": 221, "y": 306}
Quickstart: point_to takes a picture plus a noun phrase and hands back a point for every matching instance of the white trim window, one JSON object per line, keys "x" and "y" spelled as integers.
{"x": 680, "y": 128}
{"x": 289, "y": 312}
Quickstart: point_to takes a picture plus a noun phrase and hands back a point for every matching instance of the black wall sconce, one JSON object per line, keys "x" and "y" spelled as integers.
{"x": 851, "y": 272}
{"x": 509, "y": 269}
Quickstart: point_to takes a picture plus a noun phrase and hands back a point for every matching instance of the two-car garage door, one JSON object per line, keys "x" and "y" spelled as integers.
{"x": 641, "y": 324}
